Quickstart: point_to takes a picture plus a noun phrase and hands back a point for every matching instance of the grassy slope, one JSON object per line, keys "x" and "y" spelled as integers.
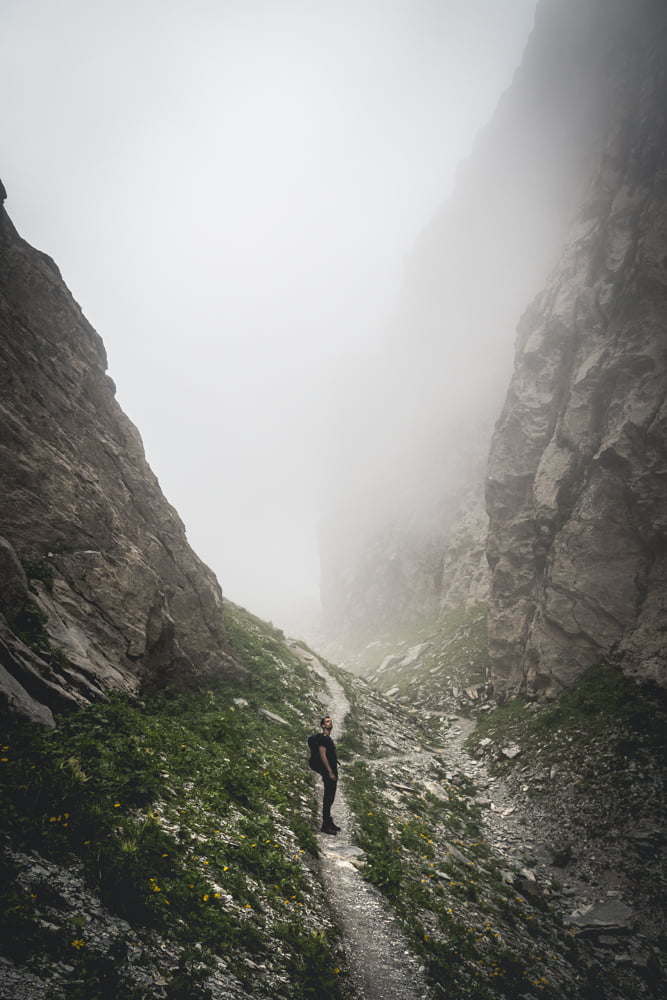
{"x": 167, "y": 849}
{"x": 189, "y": 819}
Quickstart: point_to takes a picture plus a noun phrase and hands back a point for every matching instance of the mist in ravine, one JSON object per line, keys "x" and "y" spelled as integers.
{"x": 234, "y": 192}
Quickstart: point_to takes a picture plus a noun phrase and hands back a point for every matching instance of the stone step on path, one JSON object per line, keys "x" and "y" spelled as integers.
{"x": 381, "y": 965}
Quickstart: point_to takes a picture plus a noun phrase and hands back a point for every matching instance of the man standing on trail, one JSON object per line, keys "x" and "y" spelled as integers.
{"x": 329, "y": 772}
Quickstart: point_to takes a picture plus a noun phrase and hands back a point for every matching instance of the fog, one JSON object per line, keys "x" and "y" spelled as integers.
{"x": 231, "y": 189}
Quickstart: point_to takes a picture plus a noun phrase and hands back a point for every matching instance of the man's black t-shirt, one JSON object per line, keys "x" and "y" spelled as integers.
{"x": 326, "y": 741}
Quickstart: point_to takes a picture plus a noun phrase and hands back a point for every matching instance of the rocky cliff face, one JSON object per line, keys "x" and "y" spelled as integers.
{"x": 429, "y": 402}
{"x": 568, "y": 178}
{"x": 577, "y": 487}
{"x": 99, "y": 588}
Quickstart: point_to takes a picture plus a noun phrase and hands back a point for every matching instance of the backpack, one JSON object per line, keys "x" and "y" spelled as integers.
{"x": 314, "y": 761}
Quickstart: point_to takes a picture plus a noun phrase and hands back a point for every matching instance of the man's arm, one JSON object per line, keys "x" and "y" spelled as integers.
{"x": 325, "y": 761}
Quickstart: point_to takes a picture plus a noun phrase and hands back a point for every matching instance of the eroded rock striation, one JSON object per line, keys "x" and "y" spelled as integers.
{"x": 577, "y": 482}
{"x": 99, "y": 588}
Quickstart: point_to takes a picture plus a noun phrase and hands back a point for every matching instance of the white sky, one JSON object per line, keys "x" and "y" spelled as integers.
{"x": 230, "y": 188}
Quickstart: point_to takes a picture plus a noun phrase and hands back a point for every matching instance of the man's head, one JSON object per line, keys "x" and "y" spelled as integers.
{"x": 326, "y": 724}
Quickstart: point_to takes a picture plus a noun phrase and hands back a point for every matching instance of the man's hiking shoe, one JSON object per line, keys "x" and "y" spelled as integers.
{"x": 329, "y": 828}
{"x": 335, "y": 826}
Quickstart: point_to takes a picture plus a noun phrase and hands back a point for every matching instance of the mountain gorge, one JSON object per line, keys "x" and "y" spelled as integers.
{"x": 502, "y": 592}
{"x": 563, "y": 189}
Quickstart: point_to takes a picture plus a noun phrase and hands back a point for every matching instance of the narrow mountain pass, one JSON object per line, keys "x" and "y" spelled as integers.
{"x": 484, "y": 903}
{"x": 381, "y": 965}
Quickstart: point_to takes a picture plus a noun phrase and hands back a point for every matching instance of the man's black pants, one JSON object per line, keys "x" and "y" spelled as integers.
{"x": 328, "y": 798}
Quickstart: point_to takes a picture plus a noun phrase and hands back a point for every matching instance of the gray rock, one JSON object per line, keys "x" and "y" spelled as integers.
{"x": 456, "y": 853}
{"x": 18, "y": 700}
{"x": 576, "y": 482}
{"x": 272, "y": 717}
{"x": 414, "y": 654}
{"x": 14, "y": 593}
{"x": 389, "y": 661}
{"x": 608, "y": 915}
{"x": 91, "y": 545}
{"x": 419, "y": 468}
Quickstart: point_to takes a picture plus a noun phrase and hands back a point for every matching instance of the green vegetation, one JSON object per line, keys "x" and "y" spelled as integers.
{"x": 477, "y": 937}
{"x": 189, "y": 817}
{"x": 39, "y": 569}
{"x": 604, "y": 710}
{"x": 178, "y": 834}
{"x": 383, "y": 864}
{"x": 480, "y": 932}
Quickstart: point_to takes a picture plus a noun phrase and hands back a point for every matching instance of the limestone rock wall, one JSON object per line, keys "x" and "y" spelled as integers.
{"x": 577, "y": 483}
{"x": 414, "y": 460}
{"x": 99, "y": 588}
{"x": 564, "y": 191}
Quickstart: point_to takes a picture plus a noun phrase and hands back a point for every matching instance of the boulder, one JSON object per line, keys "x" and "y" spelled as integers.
{"x": 607, "y": 915}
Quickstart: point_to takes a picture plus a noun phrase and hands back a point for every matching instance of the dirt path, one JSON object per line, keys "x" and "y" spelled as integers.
{"x": 518, "y": 828}
{"x": 381, "y": 965}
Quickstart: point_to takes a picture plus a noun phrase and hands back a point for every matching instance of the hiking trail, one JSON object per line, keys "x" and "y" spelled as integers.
{"x": 380, "y": 963}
